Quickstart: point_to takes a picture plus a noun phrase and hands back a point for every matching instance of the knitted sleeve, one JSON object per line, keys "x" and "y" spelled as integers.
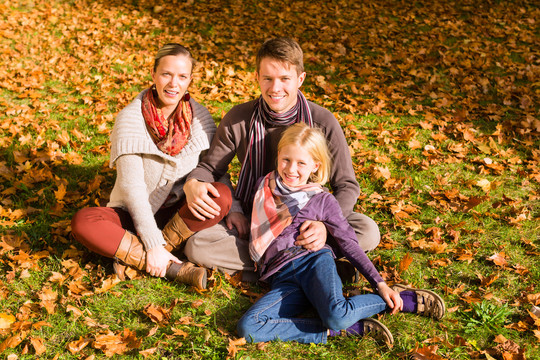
{"x": 132, "y": 188}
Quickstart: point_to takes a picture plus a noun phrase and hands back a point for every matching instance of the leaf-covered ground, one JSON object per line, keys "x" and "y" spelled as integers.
{"x": 439, "y": 102}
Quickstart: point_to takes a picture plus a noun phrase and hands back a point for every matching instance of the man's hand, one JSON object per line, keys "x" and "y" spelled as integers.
{"x": 240, "y": 222}
{"x": 157, "y": 261}
{"x": 201, "y": 205}
{"x": 391, "y": 297}
{"x": 312, "y": 235}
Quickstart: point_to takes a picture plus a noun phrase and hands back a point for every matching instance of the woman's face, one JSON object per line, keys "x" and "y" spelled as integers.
{"x": 172, "y": 78}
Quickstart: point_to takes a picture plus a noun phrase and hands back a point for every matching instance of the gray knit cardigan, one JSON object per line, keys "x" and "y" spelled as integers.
{"x": 147, "y": 178}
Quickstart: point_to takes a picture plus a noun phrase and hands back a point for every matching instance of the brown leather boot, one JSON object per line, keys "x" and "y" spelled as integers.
{"x": 187, "y": 273}
{"x": 175, "y": 232}
{"x": 130, "y": 252}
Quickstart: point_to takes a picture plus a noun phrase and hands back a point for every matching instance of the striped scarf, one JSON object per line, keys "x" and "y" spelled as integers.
{"x": 252, "y": 168}
{"x": 274, "y": 207}
{"x": 170, "y": 136}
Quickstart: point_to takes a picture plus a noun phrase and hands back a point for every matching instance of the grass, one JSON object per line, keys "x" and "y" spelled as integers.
{"x": 425, "y": 93}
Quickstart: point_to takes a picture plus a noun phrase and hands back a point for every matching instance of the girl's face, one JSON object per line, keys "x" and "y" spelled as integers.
{"x": 295, "y": 165}
{"x": 172, "y": 78}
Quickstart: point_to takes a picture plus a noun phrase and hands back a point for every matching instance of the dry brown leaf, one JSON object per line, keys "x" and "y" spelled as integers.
{"x": 108, "y": 284}
{"x": 197, "y": 303}
{"x": 39, "y": 346}
{"x": 499, "y": 259}
{"x": 111, "y": 343}
{"x": 487, "y": 280}
{"x": 405, "y": 263}
{"x": 157, "y": 314}
{"x": 233, "y": 346}
{"x": 148, "y": 352}
{"x": 179, "y": 332}
{"x": 12, "y": 341}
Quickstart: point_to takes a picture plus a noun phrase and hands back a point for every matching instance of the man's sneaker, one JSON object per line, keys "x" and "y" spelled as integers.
{"x": 378, "y": 331}
{"x": 429, "y": 303}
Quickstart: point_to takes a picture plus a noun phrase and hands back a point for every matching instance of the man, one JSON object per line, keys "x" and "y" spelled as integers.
{"x": 252, "y": 131}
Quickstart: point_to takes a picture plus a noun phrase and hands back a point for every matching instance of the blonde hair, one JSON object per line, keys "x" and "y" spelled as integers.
{"x": 314, "y": 142}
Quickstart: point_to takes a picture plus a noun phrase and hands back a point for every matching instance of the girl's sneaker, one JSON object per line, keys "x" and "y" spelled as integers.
{"x": 367, "y": 326}
{"x": 378, "y": 331}
{"x": 428, "y": 303}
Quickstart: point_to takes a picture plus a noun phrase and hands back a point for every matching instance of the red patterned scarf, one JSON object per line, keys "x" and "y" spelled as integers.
{"x": 170, "y": 135}
{"x": 274, "y": 207}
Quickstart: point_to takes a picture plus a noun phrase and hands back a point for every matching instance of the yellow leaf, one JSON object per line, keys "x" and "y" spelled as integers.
{"x": 485, "y": 184}
{"x": 60, "y": 193}
{"x": 6, "y": 320}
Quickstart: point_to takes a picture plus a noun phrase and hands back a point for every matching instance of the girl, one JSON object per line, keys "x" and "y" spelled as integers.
{"x": 284, "y": 200}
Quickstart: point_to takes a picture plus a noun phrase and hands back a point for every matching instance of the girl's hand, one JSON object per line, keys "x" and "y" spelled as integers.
{"x": 391, "y": 297}
{"x": 157, "y": 261}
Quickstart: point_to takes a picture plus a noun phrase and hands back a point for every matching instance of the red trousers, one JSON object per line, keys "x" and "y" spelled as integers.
{"x": 101, "y": 229}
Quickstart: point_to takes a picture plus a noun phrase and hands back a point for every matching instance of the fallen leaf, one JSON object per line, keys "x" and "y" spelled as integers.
{"x": 499, "y": 259}
{"x": 6, "y": 320}
{"x": 77, "y": 345}
{"x": 108, "y": 284}
{"x": 405, "y": 263}
{"x": 39, "y": 346}
{"x": 484, "y": 184}
{"x": 157, "y": 314}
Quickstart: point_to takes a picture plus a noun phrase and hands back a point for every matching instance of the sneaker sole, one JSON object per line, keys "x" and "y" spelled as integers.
{"x": 386, "y": 334}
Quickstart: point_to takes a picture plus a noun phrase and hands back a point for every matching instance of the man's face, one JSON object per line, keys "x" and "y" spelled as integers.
{"x": 279, "y": 83}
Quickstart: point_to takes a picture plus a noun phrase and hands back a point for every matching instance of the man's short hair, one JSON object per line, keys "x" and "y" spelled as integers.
{"x": 283, "y": 49}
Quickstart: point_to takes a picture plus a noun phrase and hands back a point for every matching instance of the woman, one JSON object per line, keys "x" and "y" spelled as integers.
{"x": 156, "y": 141}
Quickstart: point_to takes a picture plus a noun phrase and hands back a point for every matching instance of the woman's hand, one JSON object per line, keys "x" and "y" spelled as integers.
{"x": 201, "y": 205}
{"x": 312, "y": 235}
{"x": 157, "y": 261}
{"x": 391, "y": 297}
{"x": 240, "y": 222}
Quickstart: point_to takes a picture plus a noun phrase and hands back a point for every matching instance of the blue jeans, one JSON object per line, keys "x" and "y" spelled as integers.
{"x": 310, "y": 280}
